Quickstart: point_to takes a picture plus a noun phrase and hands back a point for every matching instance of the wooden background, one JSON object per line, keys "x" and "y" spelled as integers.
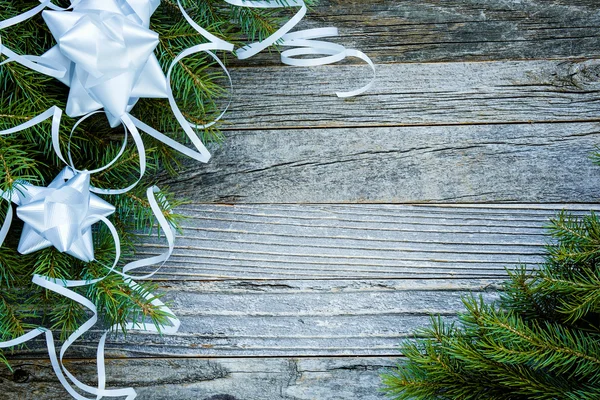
{"x": 325, "y": 231}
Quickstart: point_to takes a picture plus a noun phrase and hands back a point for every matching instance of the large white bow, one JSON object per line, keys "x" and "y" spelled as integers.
{"x": 107, "y": 49}
{"x": 105, "y": 54}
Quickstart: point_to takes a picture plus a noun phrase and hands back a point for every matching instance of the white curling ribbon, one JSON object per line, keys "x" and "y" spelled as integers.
{"x": 60, "y": 286}
{"x": 330, "y": 52}
{"x": 105, "y": 55}
{"x": 33, "y": 62}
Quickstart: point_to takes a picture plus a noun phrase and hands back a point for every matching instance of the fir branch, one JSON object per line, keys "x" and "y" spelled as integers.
{"x": 199, "y": 87}
{"x": 540, "y": 341}
{"x": 579, "y": 239}
{"x": 520, "y": 296}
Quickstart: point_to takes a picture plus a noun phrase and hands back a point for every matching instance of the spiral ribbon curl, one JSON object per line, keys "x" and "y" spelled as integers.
{"x": 105, "y": 54}
{"x": 62, "y": 215}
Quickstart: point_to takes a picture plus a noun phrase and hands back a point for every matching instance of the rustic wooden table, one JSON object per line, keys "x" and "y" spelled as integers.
{"x": 325, "y": 231}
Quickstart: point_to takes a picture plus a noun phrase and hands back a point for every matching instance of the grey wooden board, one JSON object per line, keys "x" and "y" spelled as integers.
{"x": 301, "y": 280}
{"x": 421, "y": 94}
{"x": 458, "y": 30}
{"x": 222, "y": 379}
{"x": 291, "y": 318}
{"x": 355, "y": 241}
{"x": 260, "y": 288}
{"x": 449, "y": 164}
{"x": 308, "y": 280}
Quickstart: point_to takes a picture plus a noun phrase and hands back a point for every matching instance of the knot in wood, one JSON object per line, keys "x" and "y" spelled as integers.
{"x": 586, "y": 75}
{"x": 21, "y": 376}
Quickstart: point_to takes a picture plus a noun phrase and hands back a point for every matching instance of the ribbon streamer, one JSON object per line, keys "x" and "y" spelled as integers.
{"x": 331, "y": 52}
{"x": 62, "y": 287}
{"x": 105, "y": 55}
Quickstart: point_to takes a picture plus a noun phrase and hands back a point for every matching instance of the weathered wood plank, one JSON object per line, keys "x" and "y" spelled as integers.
{"x": 292, "y": 318}
{"x": 355, "y": 241}
{"x": 217, "y": 379}
{"x": 344, "y": 280}
{"x": 459, "y": 30}
{"x": 421, "y": 94}
{"x": 448, "y": 164}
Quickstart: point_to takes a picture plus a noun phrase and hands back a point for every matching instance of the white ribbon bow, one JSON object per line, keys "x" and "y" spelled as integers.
{"x": 107, "y": 49}
{"x": 61, "y": 215}
{"x": 105, "y": 54}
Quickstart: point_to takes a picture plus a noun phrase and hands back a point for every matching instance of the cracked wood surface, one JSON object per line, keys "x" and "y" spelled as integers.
{"x": 292, "y": 318}
{"x": 218, "y": 379}
{"x": 496, "y": 92}
{"x": 304, "y": 301}
{"x": 448, "y": 164}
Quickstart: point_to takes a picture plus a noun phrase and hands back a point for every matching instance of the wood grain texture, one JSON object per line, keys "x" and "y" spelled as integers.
{"x": 355, "y": 241}
{"x": 218, "y": 379}
{"x": 447, "y": 164}
{"x": 416, "y": 94}
{"x": 291, "y": 318}
{"x": 458, "y": 30}
{"x": 309, "y": 301}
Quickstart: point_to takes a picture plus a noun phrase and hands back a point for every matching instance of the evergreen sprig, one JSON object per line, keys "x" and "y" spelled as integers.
{"x": 199, "y": 89}
{"x": 541, "y": 340}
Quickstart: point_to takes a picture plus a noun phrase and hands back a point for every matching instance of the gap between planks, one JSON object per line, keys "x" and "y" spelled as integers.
{"x": 227, "y": 129}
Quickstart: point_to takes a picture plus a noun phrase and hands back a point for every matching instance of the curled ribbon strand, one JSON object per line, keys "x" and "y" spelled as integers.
{"x": 93, "y": 82}
{"x": 113, "y": 85}
{"x": 304, "y": 42}
{"x": 44, "y": 67}
{"x": 63, "y": 287}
